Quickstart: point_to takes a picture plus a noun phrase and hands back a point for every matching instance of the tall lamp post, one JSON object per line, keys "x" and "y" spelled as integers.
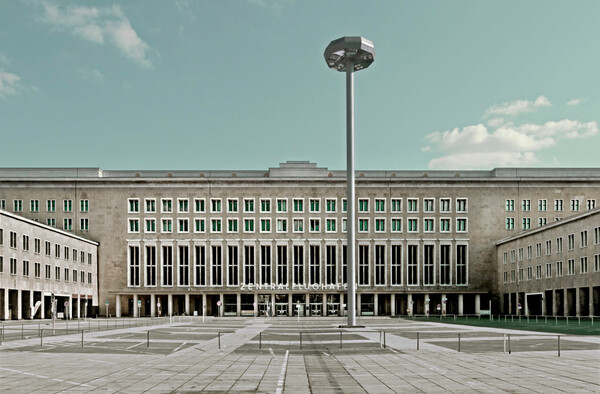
{"x": 350, "y": 54}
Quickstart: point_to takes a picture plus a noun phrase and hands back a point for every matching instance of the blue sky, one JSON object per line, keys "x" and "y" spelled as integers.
{"x": 243, "y": 84}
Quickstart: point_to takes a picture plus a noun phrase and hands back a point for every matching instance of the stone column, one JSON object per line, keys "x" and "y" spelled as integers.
{"x": 358, "y": 302}
{"x": 290, "y": 305}
{"x": 565, "y": 302}
{"x": 255, "y": 304}
{"x": 375, "y": 304}
{"x": 443, "y": 304}
{"x": 410, "y": 304}
{"x": 79, "y": 306}
{"x": 477, "y": 304}
{"x": 325, "y": 311}
{"x": 30, "y": 304}
{"x": 5, "y": 302}
{"x": 187, "y": 304}
{"x": 554, "y": 307}
{"x": 544, "y": 303}
{"x": 135, "y": 306}
{"x": 427, "y": 304}
{"x": 42, "y": 306}
{"x": 152, "y": 305}
{"x": 19, "y": 305}
{"x": 591, "y": 300}
{"x": 117, "y": 306}
{"x": 577, "y": 302}
{"x": 342, "y": 304}
{"x": 69, "y": 309}
{"x": 222, "y": 307}
{"x": 460, "y": 304}
{"x": 393, "y": 304}
{"x": 169, "y": 304}
{"x": 238, "y": 301}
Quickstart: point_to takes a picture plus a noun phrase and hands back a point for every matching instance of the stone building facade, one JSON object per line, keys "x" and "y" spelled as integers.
{"x": 243, "y": 242}
{"x": 39, "y": 264}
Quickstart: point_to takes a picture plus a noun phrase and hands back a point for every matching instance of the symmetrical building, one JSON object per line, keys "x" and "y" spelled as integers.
{"x": 244, "y": 242}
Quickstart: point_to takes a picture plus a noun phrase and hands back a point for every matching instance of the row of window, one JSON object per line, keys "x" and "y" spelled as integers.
{"x": 200, "y": 265}
{"x": 543, "y": 205}
{"x": 298, "y": 205}
{"x": 518, "y": 254}
{"x": 34, "y": 205}
{"x": 558, "y": 270}
{"x": 67, "y": 252}
{"x": 76, "y": 277}
{"x": 67, "y": 223}
{"x": 251, "y": 225}
{"x": 526, "y": 222}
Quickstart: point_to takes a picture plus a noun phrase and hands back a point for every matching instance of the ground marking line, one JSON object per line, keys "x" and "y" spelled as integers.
{"x": 282, "y": 374}
{"x": 45, "y": 377}
{"x": 179, "y": 347}
{"x": 132, "y": 346}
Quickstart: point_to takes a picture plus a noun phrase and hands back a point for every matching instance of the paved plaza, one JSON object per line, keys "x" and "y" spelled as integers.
{"x": 286, "y": 355}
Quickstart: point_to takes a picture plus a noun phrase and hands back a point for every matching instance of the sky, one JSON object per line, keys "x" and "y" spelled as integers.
{"x": 243, "y": 84}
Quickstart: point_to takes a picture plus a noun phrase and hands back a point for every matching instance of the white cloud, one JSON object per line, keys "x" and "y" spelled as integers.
{"x": 100, "y": 25}
{"x": 495, "y": 122}
{"x": 478, "y": 160}
{"x": 8, "y": 83}
{"x": 90, "y": 75}
{"x": 518, "y": 107}
{"x": 574, "y": 102}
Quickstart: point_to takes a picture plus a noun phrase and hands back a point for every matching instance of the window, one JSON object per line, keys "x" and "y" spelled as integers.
{"x": 558, "y": 205}
{"x": 183, "y": 205}
{"x": 574, "y": 205}
{"x": 249, "y": 225}
{"x": 67, "y": 205}
{"x": 25, "y": 268}
{"x": 529, "y": 273}
{"x": 25, "y": 242}
{"x": 428, "y": 205}
{"x": 282, "y": 272}
{"x": 461, "y": 225}
{"x": 396, "y": 204}
{"x": 3, "y": 204}
{"x": 48, "y": 248}
{"x": 559, "y": 268}
{"x": 215, "y": 205}
{"x": 330, "y": 226}
{"x": 66, "y": 253}
{"x": 199, "y": 225}
{"x": 56, "y": 273}
{"x": 167, "y": 205}
{"x": 150, "y": 225}
{"x": 521, "y": 276}
{"x": 413, "y": 205}
{"x": 18, "y": 205}
{"x": 314, "y": 265}
{"x": 590, "y": 204}
{"x": 396, "y": 225}
{"x": 134, "y": 266}
{"x": 167, "y": 225}
{"x": 282, "y": 225}
{"x": 215, "y": 225}
{"x": 571, "y": 239}
{"x": 199, "y": 205}
{"x": 150, "y": 205}
{"x": 571, "y": 267}
{"x": 363, "y": 264}
{"x": 249, "y": 265}
{"x": 396, "y": 265}
{"x": 526, "y": 223}
{"x": 51, "y": 205}
{"x": 412, "y": 265}
{"x": 510, "y": 223}
{"x": 330, "y": 205}
{"x": 428, "y": 225}
{"x": 548, "y": 270}
{"x": 344, "y": 224}
{"x": 548, "y": 247}
{"x": 363, "y": 225}
{"x": 379, "y": 225}
{"x": 48, "y": 270}
{"x": 461, "y": 205}
{"x": 248, "y": 205}
{"x": 583, "y": 269}
{"x": 596, "y": 236}
{"x": 37, "y": 269}
{"x": 68, "y": 224}
{"x": 559, "y": 245}
{"x": 265, "y": 225}
{"x": 281, "y": 205}
{"x": 89, "y": 258}
{"x": 314, "y": 225}
{"x": 505, "y": 258}
{"x": 134, "y": 205}
{"x": 200, "y": 265}
{"x": 134, "y": 225}
{"x": 298, "y": 225}
{"x": 526, "y": 205}
{"x": 542, "y": 222}
{"x": 84, "y": 205}
{"x": 265, "y": 264}
{"x": 428, "y": 265}
{"x": 538, "y": 249}
{"x": 232, "y": 225}
{"x": 379, "y": 265}
{"x": 538, "y": 271}
{"x": 1, "y": 236}
{"x": 510, "y": 205}
{"x": 512, "y": 276}
{"x": 183, "y": 225}
{"x": 34, "y": 205}
{"x": 232, "y": 266}
{"x": 298, "y": 265}
{"x": 379, "y": 205}
{"x": 13, "y": 266}
{"x": 505, "y": 277}
{"x": 344, "y": 205}
{"x": 89, "y": 275}
{"x": 444, "y": 205}
{"x": 542, "y": 205}
{"x": 36, "y": 242}
{"x": 314, "y": 205}
{"x": 265, "y": 205}
{"x": 596, "y": 262}
{"x": 461, "y": 264}
{"x": 150, "y": 266}
{"x": 413, "y": 225}
{"x": 232, "y": 205}
{"x": 13, "y": 239}
{"x": 363, "y": 205}
{"x": 184, "y": 265}
{"x": 51, "y": 222}
{"x": 584, "y": 239}
{"x": 167, "y": 265}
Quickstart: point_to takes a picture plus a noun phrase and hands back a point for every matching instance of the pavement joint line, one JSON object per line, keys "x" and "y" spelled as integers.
{"x": 281, "y": 381}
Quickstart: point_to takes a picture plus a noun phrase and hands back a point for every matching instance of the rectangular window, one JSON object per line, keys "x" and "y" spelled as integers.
{"x": 538, "y": 249}
{"x": 13, "y": 239}
{"x": 232, "y": 205}
{"x": 199, "y": 205}
{"x": 510, "y": 223}
{"x": 68, "y": 224}
{"x": 51, "y": 205}
{"x": 396, "y": 225}
{"x": 412, "y": 265}
{"x": 282, "y": 273}
{"x": 330, "y": 205}
{"x": 47, "y": 244}
{"x": 558, "y": 205}
{"x": 513, "y": 256}
{"x": 379, "y": 205}
{"x": 505, "y": 277}
{"x": 542, "y": 222}
{"x": 538, "y": 271}
{"x": 363, "y": 264}
{"x": 548, "y": 247}
{"x": 25, "y": 268}
{"x": 37, "y": 244}
{"x": 584, "y": 239}
{"x": 298, "y": 205}
{"x": 3, "y": 204}
{"x": 591, "y": 204}
{"x": 18, "y": 205}
{"x": 150, "y": 225}
{"x": 281, "y": 205}
{"x": 167, "y": 225}
{"x": 215, "y": 225}
{"x": 596, "y": 262}
{"x": 526, "y": 224}
{"x": 510, "y": 205}
{"x": 298, "y": 264}
{"x": 583, "y": 268}
{"x": 428, "y": 265}
{"x": 265, "y": 205}
{"x": 314, "y": 205}
{"x": 184, "y": 266}
{"x": 413, "y": 225}
{"x": 314, "y": 271}
{"x": 167, "y": 205}
{"x": 571, "y": 267}
{"x": 13, "y": 267}
{"x": 559, "y": 268}
{"x": 66, "y": 252}
{"x": 344, "y": 205}
{"x": 265, "y": 264}
{"x": 428, "y": 205}
{"x": 363, "y": 205}
{"x": 183, "y": 205}
{"x": 215, "y": 205}
{"x": 68, "y": 205}
{"x": 298, "y": 225}
{"x": 150, "y": 266}
{"x": 596, "y": 236}
{"x": 249, "y": 205}
{"x": 512, "y": 276}
{"x": 199, "y": 225}
{"x": 548, "y": 270}
{"x": 134, "y": 205}
{"x": 37, "y": 267}
{"x": 461, "y": 205}
{"x": 66, "y": 274}
{"x": 444, "y": 225}
{"x": 445, "y": 273}
{"x": 89, "y": 278}
{"x": 25, "y": 242}
{"x": 542, "y": 205}
{"x": 344, "y": 264}
{"x": 200, "y": 265}
{"x": 461, "y": 264}
{"x": 232, "y": 225}
{"x": 363, "y": 225}
{"x": 396, "y": 265}
{"x": 134, "y": 266}
{"x": 265, "y": 225}
{"x": 248, "y": 225}
{"x": 34, "y": 205}
{"x": 232, "y": 266}
{"x": 575, "y": 205}
{"x": 282, "y": 225}
{"x": 150, "y": 205}
{"x": 217, "y": 265}
{"x": 249, "y": 265}
{"x": 84, "y": 223}
{"x": 183, "y": 225}
{"x": 330, "y": 225}
{"x": 48, "y": 271}
{"x": 167, "y": 265}
{"x": 505, "y": 258}
{"x": 559, "y": 245}
{"x": 526, "y": 205}
{"x": 413, "y": 205}
{"x": 380, "y": 265}
{"x": 571, "y": 239}
{"x": 428, "y": 225}
{"x": 330, "y": 264}
{"x": 396, "y": 204}
{"x": 445, "y": 205}
{"x": 379, "y": 225}
{"x": 529, "y": 273}
{"x": 461, "y": 225}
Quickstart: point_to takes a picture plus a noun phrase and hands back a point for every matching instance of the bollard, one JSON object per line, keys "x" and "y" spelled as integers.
{"x": 81, "y": 338}
{"x": 22, "y": 335}
{"x": 42, "y": 338}
{"x": 558, "y": 345}
{"x": 504, "y": 343}
{"x": 300, "y": 339}
{"x": 89, "y": 326}
{"x": 148, "y": 339}
{"x": 39, "y": 328}
{"x": 556, "y": 320}
{"x": 459, "y": 342}
{"x": 508, "y": 343}
{"x": 546, "y": 319}
{"x": 260, "y": 340}
{"x": 579, "y": 319}
{"x": 417, "y": 341}
{"x": 340, "y": 339}
{"x": 384, "y": 346}
{"x": 77, "y": 325}
{"x": 219, "y": 340}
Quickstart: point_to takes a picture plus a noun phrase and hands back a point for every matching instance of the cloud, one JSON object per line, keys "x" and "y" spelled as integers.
{"x": 574, "y": 102}
{"x": 495, "y": 122}
{"x": 477, "y": 146}
{"x": 8, "y": 84}
{"x": 90, "y": 75}
{"x": 100, "y": 26}
{"x": 517, "y": 107}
